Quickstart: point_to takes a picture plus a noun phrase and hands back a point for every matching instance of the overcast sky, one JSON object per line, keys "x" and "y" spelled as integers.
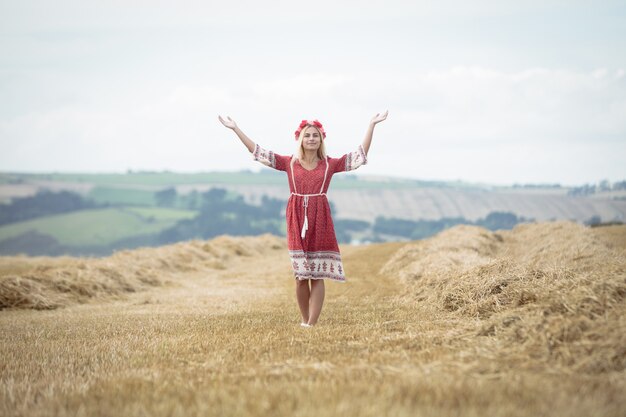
{"x": 493, "y": 91}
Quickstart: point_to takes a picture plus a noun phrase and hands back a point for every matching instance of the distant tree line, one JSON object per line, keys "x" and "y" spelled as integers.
{"x": 602, "y": 186}
{"x": 168, "y": 197}
{"x": 537, "y": 186}
{"x": 223, "y": 213}
{"x": 596, "y": 221}
{"x": 44, "y": 203}
{"x": 420, "y": 229}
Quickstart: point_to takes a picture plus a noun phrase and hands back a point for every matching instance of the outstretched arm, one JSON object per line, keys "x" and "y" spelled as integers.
{"x": 370, "y": 130}
{"x": 230, "y": 123}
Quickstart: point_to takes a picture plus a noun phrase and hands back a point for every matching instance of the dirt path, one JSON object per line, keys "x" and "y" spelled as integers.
{"x": 257, "y": 281}
{"x": 70, "y": 349}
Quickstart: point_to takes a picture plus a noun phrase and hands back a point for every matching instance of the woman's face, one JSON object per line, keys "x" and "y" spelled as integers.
{"x": 311, "y": 139}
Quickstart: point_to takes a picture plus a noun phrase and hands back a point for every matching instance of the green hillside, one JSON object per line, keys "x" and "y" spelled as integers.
{"x": 122, "y": 196}
{"x": 99, "y": 226}
{"x": 264, "y": 177}
{"x": 147, "y": 178}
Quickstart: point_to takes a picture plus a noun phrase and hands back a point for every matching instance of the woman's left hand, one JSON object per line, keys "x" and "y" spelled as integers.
{"x": 379, "y": 117}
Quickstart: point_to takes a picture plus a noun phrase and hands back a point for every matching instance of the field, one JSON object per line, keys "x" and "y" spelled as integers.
{"x": 99, "y": 226}
{"x": 528, "y": 322}
{"x": 122, "y": 196}
{"x": 160, "y": 179}
{"x": 354, "y": 197}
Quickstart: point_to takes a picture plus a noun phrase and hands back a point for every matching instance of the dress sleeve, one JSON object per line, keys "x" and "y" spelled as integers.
{"x": 270, "y": 159}
{"x": 350, "y": 161}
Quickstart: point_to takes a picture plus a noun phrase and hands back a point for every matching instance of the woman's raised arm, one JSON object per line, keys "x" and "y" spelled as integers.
{"x": 370, "y": 130}
{"x": 230, "y": 123}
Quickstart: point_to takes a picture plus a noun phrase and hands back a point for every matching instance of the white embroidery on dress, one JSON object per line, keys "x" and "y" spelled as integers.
{"x": 317, "y": 265}
{"x": 264, "y": 156}
{"x": 356, "y": 159}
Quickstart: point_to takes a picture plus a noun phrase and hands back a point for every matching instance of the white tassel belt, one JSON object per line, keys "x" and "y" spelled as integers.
{"x": 305, "y": 203}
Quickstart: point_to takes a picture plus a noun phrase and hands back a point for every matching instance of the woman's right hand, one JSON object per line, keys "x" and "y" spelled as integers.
{"x": 228, "y": 122}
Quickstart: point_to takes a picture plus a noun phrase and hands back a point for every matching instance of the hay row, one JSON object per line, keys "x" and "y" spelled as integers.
{"x": 43, "y": 283}
{"x": 549, "y": 292}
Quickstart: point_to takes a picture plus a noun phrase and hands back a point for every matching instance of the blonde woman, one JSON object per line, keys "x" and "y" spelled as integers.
{"x": 311, "y": 239}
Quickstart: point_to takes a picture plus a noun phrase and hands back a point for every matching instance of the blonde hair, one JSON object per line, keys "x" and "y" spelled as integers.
{"x": 299, "y": 154}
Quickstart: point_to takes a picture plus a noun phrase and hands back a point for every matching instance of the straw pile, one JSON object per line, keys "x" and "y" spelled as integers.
{"x": 550, "y": 292}
{"x": 47, "y": 283}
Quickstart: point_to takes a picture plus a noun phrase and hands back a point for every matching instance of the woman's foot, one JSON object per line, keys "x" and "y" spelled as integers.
{"x": 306, "y": 325}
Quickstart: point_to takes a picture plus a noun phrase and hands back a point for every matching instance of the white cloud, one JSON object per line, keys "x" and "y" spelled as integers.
{"x": 464, "y": 122}
{"x": 86, "y": 87}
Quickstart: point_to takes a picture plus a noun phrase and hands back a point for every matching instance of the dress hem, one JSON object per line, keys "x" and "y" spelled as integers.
{"x": 318, "y": 278}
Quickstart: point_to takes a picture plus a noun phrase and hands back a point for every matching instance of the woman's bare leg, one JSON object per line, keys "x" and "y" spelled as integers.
{"x": 317, "y": 300}
{"x": 302, "y": 294}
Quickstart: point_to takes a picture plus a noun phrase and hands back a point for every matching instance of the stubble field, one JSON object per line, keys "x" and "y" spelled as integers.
{"x": 470, "y": 322}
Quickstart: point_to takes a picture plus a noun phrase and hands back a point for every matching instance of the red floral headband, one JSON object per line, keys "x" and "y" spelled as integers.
{"x": 315, "y": 123}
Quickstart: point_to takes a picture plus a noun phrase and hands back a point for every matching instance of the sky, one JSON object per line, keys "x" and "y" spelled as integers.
{"x": 498, "y": 92}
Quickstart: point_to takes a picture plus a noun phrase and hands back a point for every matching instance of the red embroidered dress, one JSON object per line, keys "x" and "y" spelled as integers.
{"x": 311, "y": 239}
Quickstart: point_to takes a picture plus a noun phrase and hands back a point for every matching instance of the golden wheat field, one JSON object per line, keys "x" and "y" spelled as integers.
{"x": 527, "y": 322}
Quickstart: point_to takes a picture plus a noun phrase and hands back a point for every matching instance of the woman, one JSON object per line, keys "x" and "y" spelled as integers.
{"x": 311, "y": 236}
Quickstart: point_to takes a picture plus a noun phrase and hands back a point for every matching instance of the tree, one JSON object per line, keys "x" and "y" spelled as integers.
{"x": 221, "y": 213}
{"x": 192, "y": 200}
{"x": 166, "y": 197}
{"x": 498, "y": 220}
{"x": 43, "y": 203}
